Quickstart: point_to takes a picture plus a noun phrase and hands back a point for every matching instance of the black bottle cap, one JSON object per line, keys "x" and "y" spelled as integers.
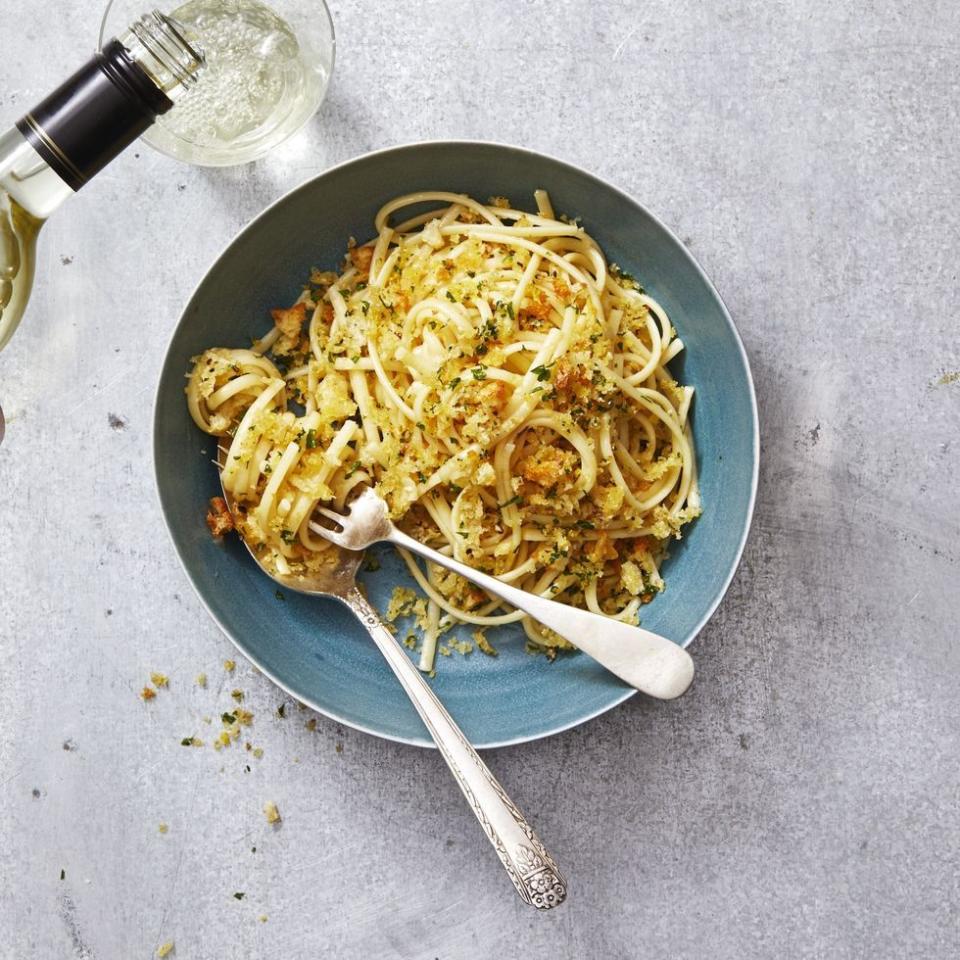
{"x": 80, "y": 127}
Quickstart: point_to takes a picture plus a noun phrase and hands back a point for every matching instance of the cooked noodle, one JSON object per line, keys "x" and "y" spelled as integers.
{"x": 502, "y": 386}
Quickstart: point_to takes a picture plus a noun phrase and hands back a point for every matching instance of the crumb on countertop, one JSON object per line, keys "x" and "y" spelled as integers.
{"x": 232, "y": 722}
{"x": 229, "y": 665}
{"x": 163, "y": 828}
{"x": 165, "y": 948}
{"x": 159, "y": 680}
{"x": 147, "y": 693}
{"x": 271, "y": 812}
{"x": 202, "y": 680}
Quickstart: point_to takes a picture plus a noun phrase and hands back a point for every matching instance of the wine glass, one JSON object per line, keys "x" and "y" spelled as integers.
{"x": 268, "y": 66}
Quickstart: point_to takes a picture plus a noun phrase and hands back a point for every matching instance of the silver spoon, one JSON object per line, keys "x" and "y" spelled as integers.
{"x": 532, "y": 870}
{"x": 646, "y": 660}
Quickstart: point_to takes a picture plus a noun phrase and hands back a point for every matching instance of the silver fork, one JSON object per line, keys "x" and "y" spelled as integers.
{"x": 645, "y": 660}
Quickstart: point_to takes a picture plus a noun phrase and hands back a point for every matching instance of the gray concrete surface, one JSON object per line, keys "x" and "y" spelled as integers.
{"x": 801, "y": 801}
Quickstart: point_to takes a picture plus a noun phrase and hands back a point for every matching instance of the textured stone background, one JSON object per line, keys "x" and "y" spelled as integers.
{"x": 802, "y": 801}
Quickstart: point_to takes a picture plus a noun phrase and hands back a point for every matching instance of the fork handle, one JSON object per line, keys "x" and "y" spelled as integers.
{"x": 645, "y": 660}
{"x": 532, "y": 870}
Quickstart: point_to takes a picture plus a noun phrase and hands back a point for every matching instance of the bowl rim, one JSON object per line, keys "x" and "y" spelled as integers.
{"x": 534, "y": 155}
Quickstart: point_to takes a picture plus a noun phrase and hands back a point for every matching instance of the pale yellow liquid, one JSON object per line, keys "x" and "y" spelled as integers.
{"x": 253, "y": 88}
{"x": 18, "y": 245}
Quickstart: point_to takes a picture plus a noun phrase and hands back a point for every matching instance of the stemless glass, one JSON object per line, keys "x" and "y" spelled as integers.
{"x": 268, "y": 66}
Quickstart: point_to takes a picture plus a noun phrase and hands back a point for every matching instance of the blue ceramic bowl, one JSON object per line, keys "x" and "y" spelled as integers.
{"x": 313, "y": 648}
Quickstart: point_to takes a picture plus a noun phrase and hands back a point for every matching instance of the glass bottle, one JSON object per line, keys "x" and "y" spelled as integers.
{"x": 51, "y": 151}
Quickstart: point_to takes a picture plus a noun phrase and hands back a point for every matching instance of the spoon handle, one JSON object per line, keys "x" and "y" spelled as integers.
{"x": 532, "y": 870}
{"x": 645, "y": 660}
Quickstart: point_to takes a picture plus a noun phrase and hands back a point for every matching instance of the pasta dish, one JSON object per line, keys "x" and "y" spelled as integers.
{"x": 502, "y": 386}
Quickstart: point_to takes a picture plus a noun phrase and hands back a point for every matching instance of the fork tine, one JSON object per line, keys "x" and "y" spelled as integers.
{"x": 332, "y": 535}
{"x": 331, "y": 515}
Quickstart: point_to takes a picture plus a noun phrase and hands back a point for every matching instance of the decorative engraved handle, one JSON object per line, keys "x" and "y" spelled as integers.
{"x": 647, "y": 661}
{"x": 532, "y": 870}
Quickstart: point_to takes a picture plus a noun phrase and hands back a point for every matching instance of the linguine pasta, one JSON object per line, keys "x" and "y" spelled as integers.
{"x": 503, "y": 388}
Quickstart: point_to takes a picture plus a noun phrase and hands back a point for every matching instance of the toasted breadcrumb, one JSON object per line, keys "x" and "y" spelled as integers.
{"x": 289, "y": 321}
{"x": 147, "y": 693}
{"x": 601, "y": 549}
{"x": 159, "y": 680}
{"x": 483, "y": 644}
{"x": 311, "y": 724}
{"x": 237, "y": 695}
{"x": 229, "y": 665}
{"x": 547, "y": 466}
{"x": 165, "y": 948}
{"x": 401, "y": 602}
{"x": 271, "y": 812}
{"x": 361, "y": 258}
{"x": 219, "y": 518}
